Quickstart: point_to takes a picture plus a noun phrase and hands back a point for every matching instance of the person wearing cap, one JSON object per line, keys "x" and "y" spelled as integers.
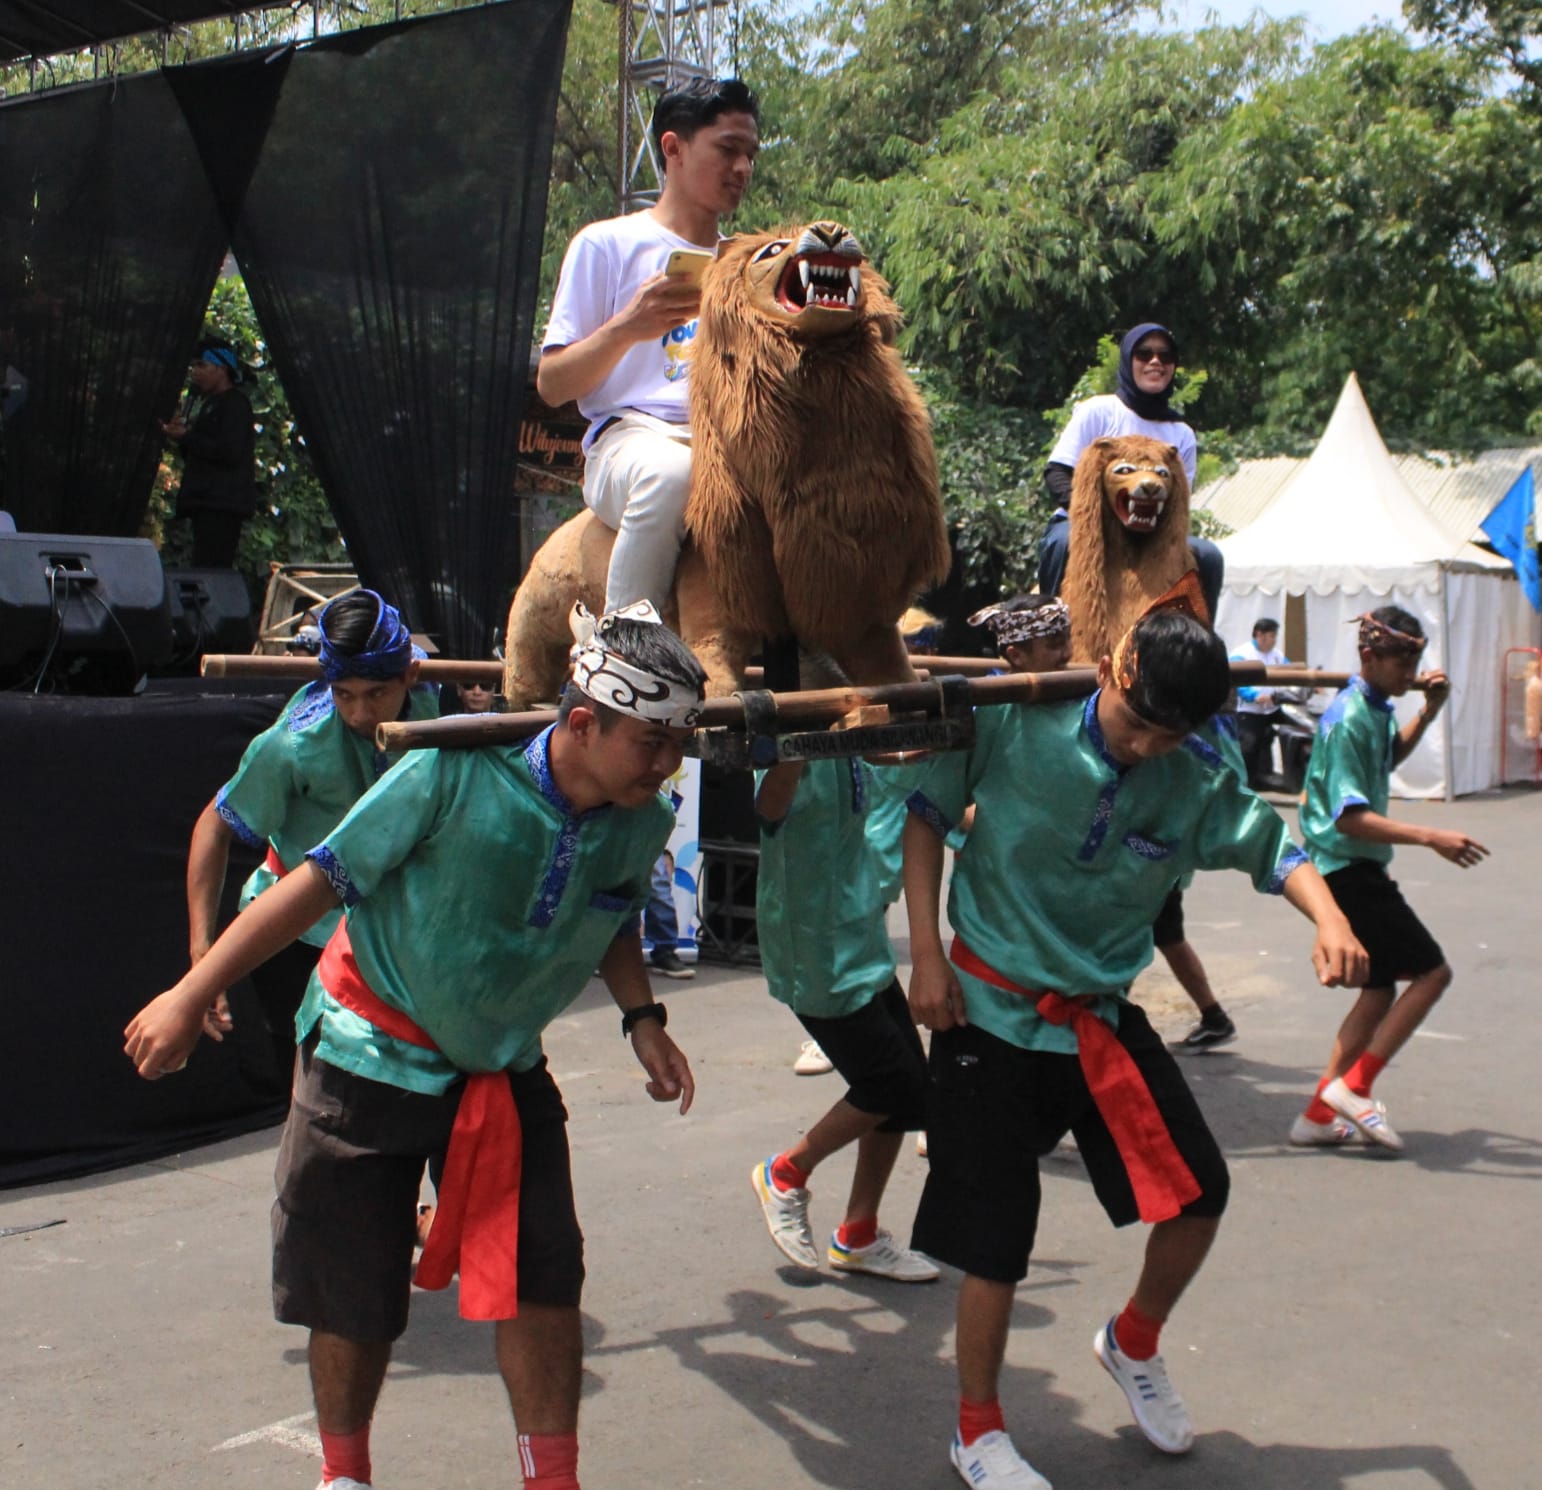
{"x": 1350, "y": 838}
{"x": 218, "y": 442}
{"x": 1256, "y": 706}
{"x": 421, "y": 1034}
{"x": 1088, "y": 812}
{"x": 295, "y": 783}
{"x": 1148, "y": 362}
{"x": 621, "y": 329}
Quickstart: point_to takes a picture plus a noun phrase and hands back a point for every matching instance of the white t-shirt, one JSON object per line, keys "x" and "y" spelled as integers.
{"x": 1104, "y": 416}
{"x": 605, "y": 265}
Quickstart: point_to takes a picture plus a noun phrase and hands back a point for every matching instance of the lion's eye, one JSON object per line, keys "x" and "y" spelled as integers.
{"x": 1161, "y": 470}
{"x": 1124, "y": 468}
{"x": 770, "y": 251}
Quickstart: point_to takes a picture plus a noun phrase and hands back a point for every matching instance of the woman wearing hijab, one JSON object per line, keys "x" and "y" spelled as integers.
{"x": 1148, "y": 359}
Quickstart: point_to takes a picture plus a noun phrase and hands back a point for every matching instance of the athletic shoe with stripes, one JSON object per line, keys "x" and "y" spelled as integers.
{"x": 883, "y": 1257}
{"x": 786, "y": 1213}
{"x": 1305, "y": 1134}
{"x": 992, "y": 1462}
{"x": 1159, "y": 1410}
{"x": 1368, "y": 1116}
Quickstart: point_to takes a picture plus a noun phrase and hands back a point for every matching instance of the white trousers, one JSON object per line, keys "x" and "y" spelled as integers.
{"x": 636, "y": 478}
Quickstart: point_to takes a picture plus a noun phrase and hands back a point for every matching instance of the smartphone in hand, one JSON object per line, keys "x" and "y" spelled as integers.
{"x": 687, "y": 263}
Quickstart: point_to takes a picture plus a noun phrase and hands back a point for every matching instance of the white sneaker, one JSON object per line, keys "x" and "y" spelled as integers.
{"x": 992, "y": 1462}
{"x": 1368, "y": 1116}
{"x": 883, "y": 1257}
{"x": 1159, "y": 1410}
{"x": 786, "y": 1213}
{"x": 342, "y": 1482}
{"x": 1305, "y": 1134}
{"x": 812, "y": 1061}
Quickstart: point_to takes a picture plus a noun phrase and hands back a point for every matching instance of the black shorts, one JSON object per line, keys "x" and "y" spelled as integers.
{"x": 880, "y": 1056}
{"x": 995, "y": 1108}
{"x": 349, "y": 1167}
{"x": 1396, "y": 940}
{"x": 1167, "y": 929}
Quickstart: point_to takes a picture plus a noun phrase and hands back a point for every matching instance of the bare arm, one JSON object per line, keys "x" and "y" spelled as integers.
{"x": 1437, "y": 689}
{"x": 669, "y": 1073}
{"x": 1372, "y": 827}
{"x": 777, "y": 789}
{"x": 566, "y": 373}
{"x": 936, "y": 999}
{"x": 162, "y": 1035}
{"x": 1337, "y": 955}
{"x": 208, "y": 857}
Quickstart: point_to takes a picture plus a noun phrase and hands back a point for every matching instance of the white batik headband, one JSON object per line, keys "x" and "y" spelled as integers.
{"x": 1012, "y": 628}
{"x": 609, "y": 679}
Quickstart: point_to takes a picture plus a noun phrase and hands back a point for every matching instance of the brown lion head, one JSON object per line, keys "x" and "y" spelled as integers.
{"x": 807, "y": 283}
{"x": 1138, "y": 480}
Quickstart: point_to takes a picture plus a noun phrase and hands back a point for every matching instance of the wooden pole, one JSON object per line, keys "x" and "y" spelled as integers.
{"x": 825, "y": 706}
{"x": 307, "y": 669}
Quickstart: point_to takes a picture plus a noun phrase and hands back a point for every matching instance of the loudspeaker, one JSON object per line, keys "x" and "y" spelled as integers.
{"x": 93, "y": 611}
{"x": 210, "y": 612}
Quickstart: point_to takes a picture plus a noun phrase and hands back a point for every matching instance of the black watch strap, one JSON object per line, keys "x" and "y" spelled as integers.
{"x": 633, "y": 1017}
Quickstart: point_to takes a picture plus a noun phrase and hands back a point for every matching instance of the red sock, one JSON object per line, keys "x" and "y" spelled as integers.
{"x": 976, "y": 1419}
{"x": 1318, "y": 1111}
{"x": 786, "y": 1175}
{"x": 345, "y": 1454}
{"x": 1136, "y": 1336}
{"x": 549, "y": 1461}
{"x": 1358, "y": 1077}
{"x": 857, "y": 1233}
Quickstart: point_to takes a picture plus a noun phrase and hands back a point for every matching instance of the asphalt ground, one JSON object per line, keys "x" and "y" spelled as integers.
{"x": 1364, "y": 1323}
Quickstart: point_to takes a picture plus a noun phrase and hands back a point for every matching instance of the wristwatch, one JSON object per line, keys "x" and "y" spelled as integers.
{"x": 633, "y": 1017}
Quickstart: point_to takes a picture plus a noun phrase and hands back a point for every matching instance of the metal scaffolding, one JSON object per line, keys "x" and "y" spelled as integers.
{"x": 663, "y": 43}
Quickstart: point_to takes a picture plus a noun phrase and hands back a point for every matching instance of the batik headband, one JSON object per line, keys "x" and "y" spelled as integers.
{"x": 1382, "y": 640}
{"x": 387, "y": 654}
{"x": 225, "y": 358}
{"x": 1012, "y": 628}
{"x": 1187, "y": 598}
{"x": 601, "y": 673}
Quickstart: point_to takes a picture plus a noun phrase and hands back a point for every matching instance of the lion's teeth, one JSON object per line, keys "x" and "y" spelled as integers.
{"x": 851, "y": 296}
{"x": 854, "y": 279}
{"x": 803, "y": 273}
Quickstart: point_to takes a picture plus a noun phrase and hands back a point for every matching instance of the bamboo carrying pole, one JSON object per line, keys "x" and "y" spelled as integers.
{"x": 826, "y": 706}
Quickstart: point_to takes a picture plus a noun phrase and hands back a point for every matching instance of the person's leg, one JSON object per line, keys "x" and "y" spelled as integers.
{"x": 1184, "y": 963}
{"x": 1407, "y": 1013}
{"x": 876, "y": 1153}
{"x": 661, "y": 925}
{"x": 216, "y": 538}
{"x": 1175, "y": 1251}
{"x": 346, "y": 1376}
{"x": 1356, "y": 1032}
{"x": 1167, "y": 932}
{"x": 984, "y": 1320}
{"x": 639, "y": 485}
{"x": 540, "y": 1357}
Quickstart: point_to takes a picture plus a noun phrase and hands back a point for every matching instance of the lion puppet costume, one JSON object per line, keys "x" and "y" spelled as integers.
{"x": 1129, "y": 539}
{"x": 814, "y": 510}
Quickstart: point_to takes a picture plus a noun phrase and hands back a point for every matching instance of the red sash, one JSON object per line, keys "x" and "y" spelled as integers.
{"x": 1163, "y": 1183}
{"x": 476, "y": 1221}
{"x": 273, "y": 864}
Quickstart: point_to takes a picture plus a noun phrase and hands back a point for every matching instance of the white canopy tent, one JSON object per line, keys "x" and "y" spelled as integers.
{"x": 1347, "y": 534}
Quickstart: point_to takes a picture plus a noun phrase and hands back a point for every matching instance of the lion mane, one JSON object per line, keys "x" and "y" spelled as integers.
{"x": 1113, "y": 573}
{"x": 814, "y": 490}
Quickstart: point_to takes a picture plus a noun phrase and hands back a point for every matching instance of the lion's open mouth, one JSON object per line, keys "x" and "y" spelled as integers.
{"x": 824, "y": 280}
{"x": 1139, "y": 512}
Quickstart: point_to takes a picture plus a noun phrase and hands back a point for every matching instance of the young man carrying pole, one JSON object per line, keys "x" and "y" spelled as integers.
{"x": 482, "y": 889}
{"x": 1087, "y": 814}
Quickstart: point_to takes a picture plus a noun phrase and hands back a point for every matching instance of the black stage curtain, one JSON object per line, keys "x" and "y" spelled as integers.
{"x": 390, "y": 236}
{"x": 102, "y": 795}
{"x": 110, "y": 242}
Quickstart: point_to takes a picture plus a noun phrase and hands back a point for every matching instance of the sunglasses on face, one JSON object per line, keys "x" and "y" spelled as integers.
{"x": 1163, "y": 355}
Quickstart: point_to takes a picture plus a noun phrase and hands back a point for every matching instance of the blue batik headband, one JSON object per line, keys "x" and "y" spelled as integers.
{"x": 387, "y": 654}
{"x": 223, "y": 357}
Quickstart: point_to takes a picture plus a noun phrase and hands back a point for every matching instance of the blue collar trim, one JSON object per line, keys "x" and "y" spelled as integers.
{"x": 1095, "y": 734}
{"x": 1373, "y": 696}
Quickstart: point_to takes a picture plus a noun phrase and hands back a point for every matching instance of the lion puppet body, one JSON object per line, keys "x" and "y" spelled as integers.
{"x": 814, "y": 509}
{"x": 1129, "y": 539}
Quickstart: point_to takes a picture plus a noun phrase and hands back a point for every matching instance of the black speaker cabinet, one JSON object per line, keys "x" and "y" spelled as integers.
{"x": 92, "y": 612}
{"x": 210, "y": 612}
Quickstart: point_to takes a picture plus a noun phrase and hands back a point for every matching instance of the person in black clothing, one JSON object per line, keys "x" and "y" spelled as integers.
{"x": 218, "y": 445}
